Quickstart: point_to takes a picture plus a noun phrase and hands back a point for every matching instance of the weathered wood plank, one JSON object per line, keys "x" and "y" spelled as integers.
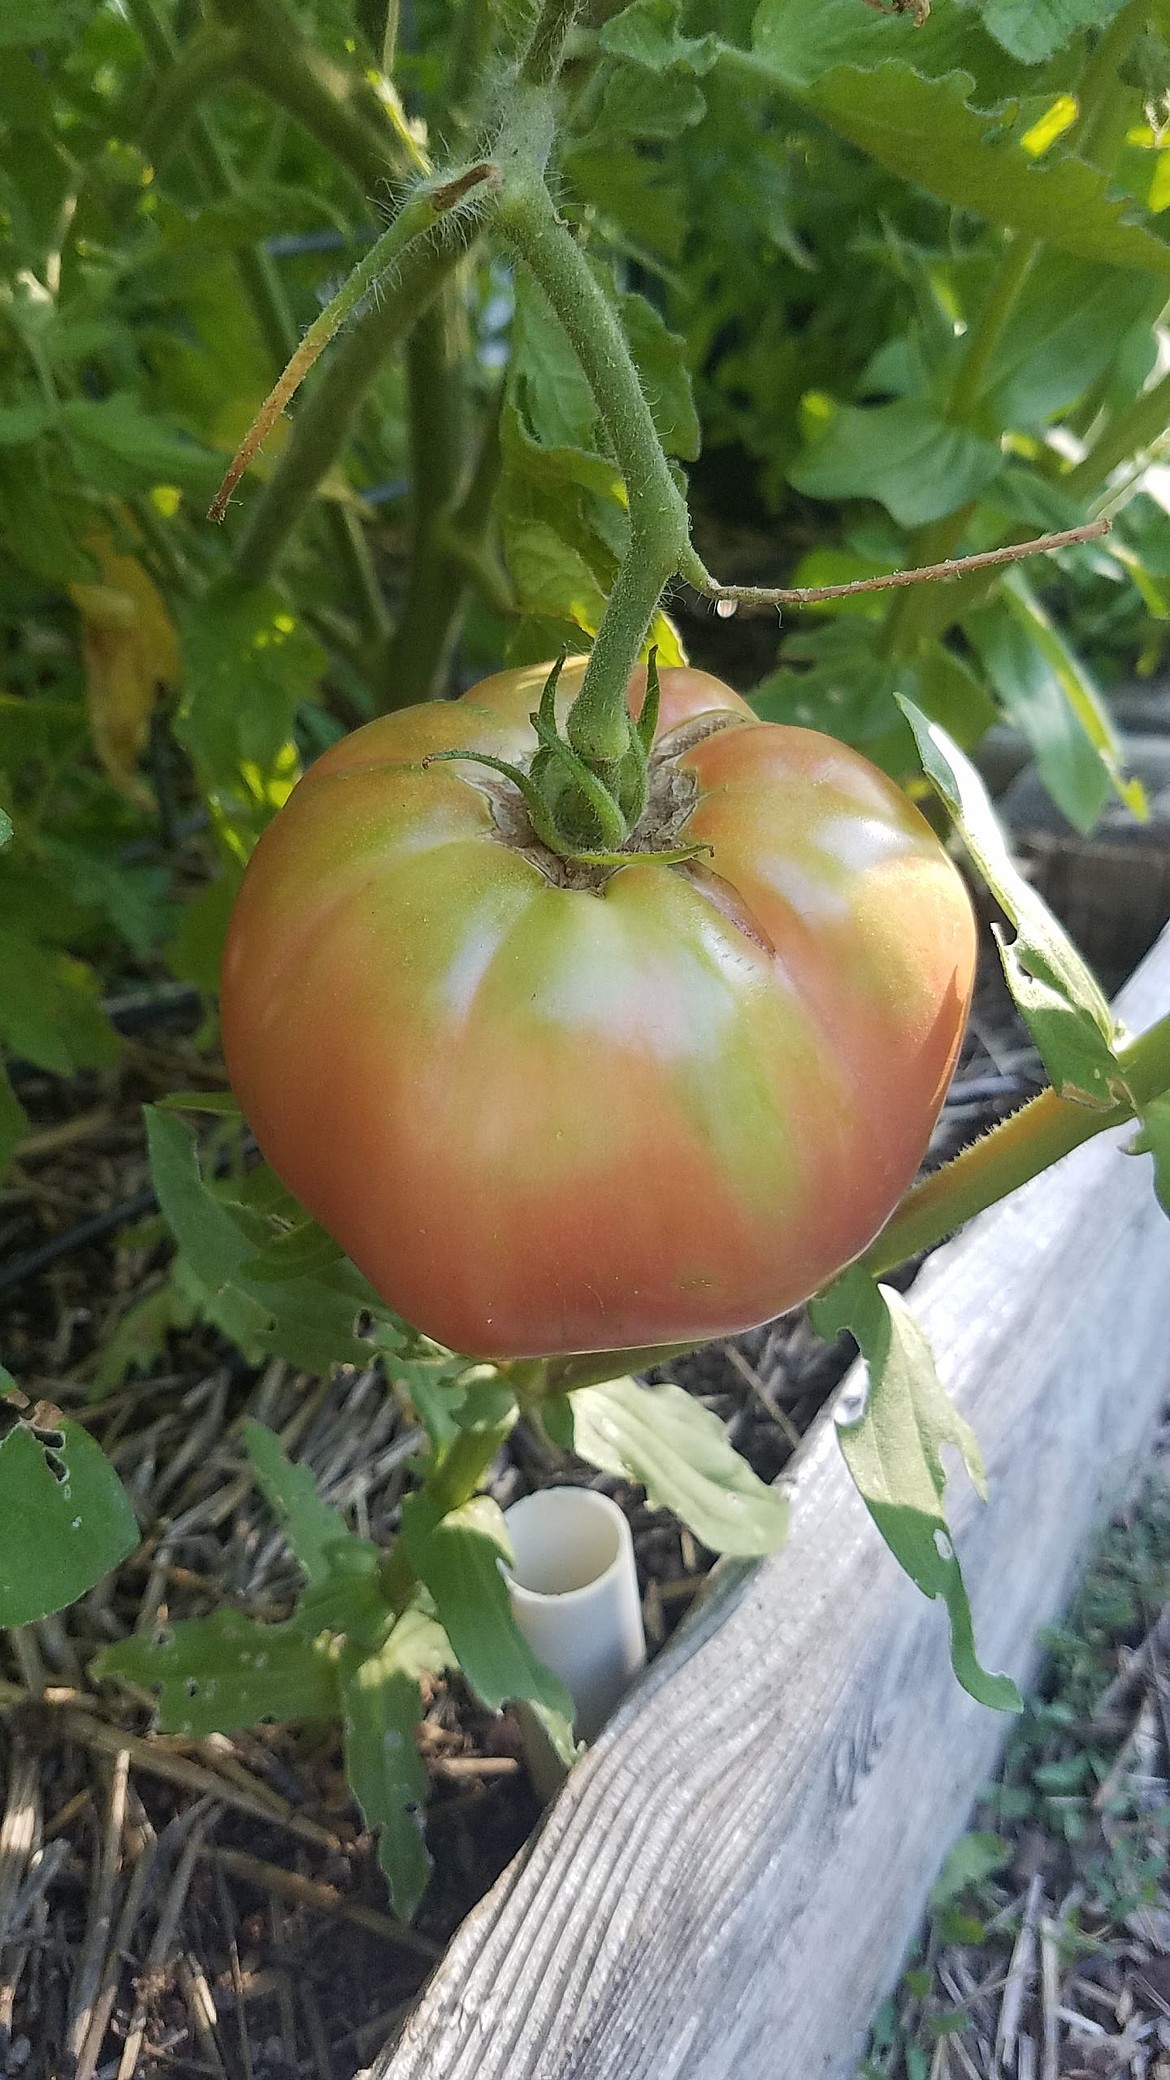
{"x": 728, "y": 1881}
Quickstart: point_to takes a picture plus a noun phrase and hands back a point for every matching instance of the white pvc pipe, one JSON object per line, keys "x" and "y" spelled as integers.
{"x": 574, "y": 1590}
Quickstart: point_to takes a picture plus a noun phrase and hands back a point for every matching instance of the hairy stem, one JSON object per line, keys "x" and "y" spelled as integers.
{"x": 325, "y": 420}
{"x": 659, "y": 528}
{"x": 346, "y": 117}
{"x": 420, "y": 647}
{"x": 542, "y": 59}
{"x": 450, "y": 1483}
{"x": 265, "y": 293}
{"x": 206, "y": 61}
{"x": 1032, "y": 1139}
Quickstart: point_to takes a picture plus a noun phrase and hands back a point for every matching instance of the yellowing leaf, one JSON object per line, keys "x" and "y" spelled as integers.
{"x": 129, "y": 649}
{"x": 663, "y": 633}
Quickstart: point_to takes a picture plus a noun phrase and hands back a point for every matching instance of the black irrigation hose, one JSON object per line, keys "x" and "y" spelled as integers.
{"x": 92, "y": 1230}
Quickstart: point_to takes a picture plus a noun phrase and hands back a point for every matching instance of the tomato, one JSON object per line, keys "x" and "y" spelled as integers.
{"x": 551, "y": 1108}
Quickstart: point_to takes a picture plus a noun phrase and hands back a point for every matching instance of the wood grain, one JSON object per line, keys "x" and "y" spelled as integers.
{"x": 728, "y": 1881}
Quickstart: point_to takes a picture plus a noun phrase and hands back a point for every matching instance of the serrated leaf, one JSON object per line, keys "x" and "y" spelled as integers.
{"x": 309, "y": 1319}
{"x": 805, "y": 39}
{"x": 139, "y": 1339}
{"x": 893, "y": 1449}
{"x": 1064, "y": 1006}
{"x": 381, "y": 1706}
{"x": 1154, "y": 1140}
{"x": 311, "y": 1526}
{"x": 5, "y": 827}
{"x": 679, "y": 1452}
{"x": 648, "y": 33}
{"x": 1033, "y": 30}
{"x": 458, "y": 1561}
{"x": 214, "y": 1674}
{"x": 927, "y": 132}
{"x": 65, "y": 1518}
{"x": 903, "y": 454}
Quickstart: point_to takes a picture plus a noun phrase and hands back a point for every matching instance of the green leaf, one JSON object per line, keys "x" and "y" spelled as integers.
{"x": 660, "y": 356}
{"x": 679, "y": 1452}
{"x": 214, "y": 1674}
{"x": 381, "y": 1705}
{"x": 195, "y": 952}
{"x": 41, "y": 21}
{"x": 139, "y": 1340}
{"x": 802, "y": 40}
{"x": 903, "y": 454}
{"x": 458, "y": 1559}
{"x": 220, "y": 1104}
{"x": 5, "y": 827}
{"x": 119, "y": 447}
{"x": 244, "y": 749}
{"x": 309, "y": 1318}
{"x": 13, "y": 1121}
{"x": 644, "y": 105}
{"x": 546, "y": 377}
{"x": 648, "y": 33}
{"x": 1035, "y": 29}
{"x": 1073, "y": 679}
{"x": 1034, "y": 698}
{"x": 1154, "y": 1140}
{"x": 973, "y": 1858}
{"x": 1064, "y": 333}
{"x": 296, "y": 1253}
{"x": 848, "y": 688}
{"x": 65, "y": 1518}
{"x": 927, "y": 132}
{"x": 1050, "y": 695}
{"x": 311, "y": 1526}
{"x": 893, "y": 1450}
{"x": 49, "y": 1008}
{"x": 1060, "y": 999}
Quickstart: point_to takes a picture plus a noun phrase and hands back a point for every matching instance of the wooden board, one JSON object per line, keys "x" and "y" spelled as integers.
{"x": 728, "y": 1881}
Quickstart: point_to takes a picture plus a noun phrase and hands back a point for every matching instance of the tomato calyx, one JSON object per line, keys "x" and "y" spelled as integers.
{"x": 581, "y": 819}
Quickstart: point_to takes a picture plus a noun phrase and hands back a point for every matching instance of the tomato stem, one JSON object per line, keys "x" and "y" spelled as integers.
{"x": 453, "y": 1479}
{"x": 1015, "y": 1151}
{"x": 599, "y": 727}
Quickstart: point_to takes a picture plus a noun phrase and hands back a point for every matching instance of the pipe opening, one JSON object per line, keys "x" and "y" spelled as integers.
{"x": 563, "y": 1541}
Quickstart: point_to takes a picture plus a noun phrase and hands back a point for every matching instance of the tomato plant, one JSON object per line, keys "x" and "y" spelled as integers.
{"x": 552, "y": 1106}
{"x": 626, "y": 1024}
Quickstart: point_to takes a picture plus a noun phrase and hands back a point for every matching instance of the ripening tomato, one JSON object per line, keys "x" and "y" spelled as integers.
{"x": 551, "y": 1108}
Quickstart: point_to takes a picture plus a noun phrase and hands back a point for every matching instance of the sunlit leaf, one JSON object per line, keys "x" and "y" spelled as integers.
{"x": 680, "y": 1453}
{"x": 892, "y": 1446}
{"x": 1059, "y": 997}
{"x": 214, "y": 1674}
